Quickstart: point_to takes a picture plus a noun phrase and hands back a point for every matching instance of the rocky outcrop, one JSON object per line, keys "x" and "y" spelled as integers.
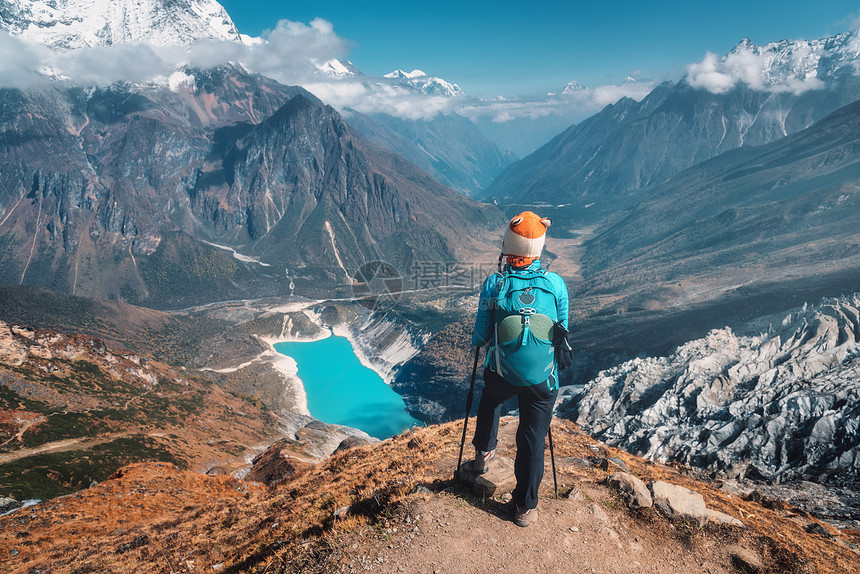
{"x": 277, "y": 464}
{"x": 386, "y": 343}
{"x": 679, "y": 503}
{"x": 674, "y": 501}
{"x": 50, "y": 352}
{"x": 632, "y": 489}
{"x": 498, "y": 480}
{"x": 780, "y": 405}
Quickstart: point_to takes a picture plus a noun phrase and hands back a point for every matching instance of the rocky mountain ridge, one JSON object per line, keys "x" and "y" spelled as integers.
{"x": 599, "y": 165}
{"x": 120, "y": 193}
{"x": 787, "y": 64}
{"x": 778, "y": 219}
{"x": 778, "y": 406}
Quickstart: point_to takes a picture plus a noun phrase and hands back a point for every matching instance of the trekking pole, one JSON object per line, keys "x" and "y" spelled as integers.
{"x": 552, "y": 458}
{"x": 468, "y": 410}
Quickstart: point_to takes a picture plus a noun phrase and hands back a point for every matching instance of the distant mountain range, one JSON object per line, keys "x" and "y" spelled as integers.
{"x": 448, "y": 146}
{"x": 599, "y": 165}
{"x": 215, "y": 184}
{"x": 430, "y": 85}
{"x": 753, "y": 231}
{"x": 72, "y": 24}
{"x": 790, "y": 204}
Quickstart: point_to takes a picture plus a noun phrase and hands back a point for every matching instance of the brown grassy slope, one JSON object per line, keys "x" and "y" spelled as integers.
{"x": 156, "y": 518}
{"x": 73, "y": 410}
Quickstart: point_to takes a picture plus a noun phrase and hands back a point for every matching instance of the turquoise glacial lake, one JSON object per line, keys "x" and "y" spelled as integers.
{"x": 342, "y": 391}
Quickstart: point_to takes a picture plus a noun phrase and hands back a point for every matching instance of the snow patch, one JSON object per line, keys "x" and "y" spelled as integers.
{"x": 69, "y": 24}
{"x": 179, "y": 80}
{"x": 239, "y": 256}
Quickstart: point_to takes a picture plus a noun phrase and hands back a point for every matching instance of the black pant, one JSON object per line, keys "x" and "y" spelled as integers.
{"x": 536, "y": 404}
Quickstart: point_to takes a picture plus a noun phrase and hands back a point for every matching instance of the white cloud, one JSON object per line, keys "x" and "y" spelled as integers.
{"x": 289, "y": 55}
{"x": 852, "y": 21}
{"x": 293, "y": 49}
{"x": 502, "y": 111}
{"x": 602, "y": 96}
{"x": 708, "y": 74}
{"x": 574, "y": 106}
{"x": 20, "y": 62}
{"x": 293, "y": 52}
{"x": 372, "y": 97}
{"x": 760, "y": 69}
{"x": 104, "y": 65}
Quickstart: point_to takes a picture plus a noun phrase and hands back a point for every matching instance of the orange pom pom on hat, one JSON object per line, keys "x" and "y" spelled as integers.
{"x": 524, "y": 238}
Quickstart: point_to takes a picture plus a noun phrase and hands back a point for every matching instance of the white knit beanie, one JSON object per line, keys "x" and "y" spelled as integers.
{"x": 525, "y": 235}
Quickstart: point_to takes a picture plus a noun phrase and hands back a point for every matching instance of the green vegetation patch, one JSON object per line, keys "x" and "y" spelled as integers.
{"x": 426, "y": 316}
{"x": 61, "y": 425}
{"x": 49, "y": 475}
{"x": 9, "y": 399}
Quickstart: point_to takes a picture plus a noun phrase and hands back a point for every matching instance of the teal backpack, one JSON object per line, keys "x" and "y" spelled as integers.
{"x": 524, "y": 313}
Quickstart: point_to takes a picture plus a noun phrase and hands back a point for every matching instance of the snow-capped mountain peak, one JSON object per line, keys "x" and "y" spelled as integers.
{"x": 570, "y": 89}
{"x": 786, "y": 65}
{"x": 401, "y": 75}
{"x": 416, "y": 80}
{"x": 338, "y": 69}
{"x": 68, "y": 24}
{"x": 573, "y": 87}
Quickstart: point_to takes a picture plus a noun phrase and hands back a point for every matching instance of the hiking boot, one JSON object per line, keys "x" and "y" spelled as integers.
{"x": 523, "y": 517}
{"x": 482, "y": 460}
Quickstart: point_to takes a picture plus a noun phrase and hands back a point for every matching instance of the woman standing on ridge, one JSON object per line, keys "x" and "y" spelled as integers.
{"x": 522, "y": 314}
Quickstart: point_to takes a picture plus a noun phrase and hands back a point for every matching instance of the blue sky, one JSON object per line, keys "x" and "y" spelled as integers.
{"x": 528, "y": 48}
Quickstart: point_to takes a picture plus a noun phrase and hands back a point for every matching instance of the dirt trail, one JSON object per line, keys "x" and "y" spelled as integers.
{"x": 456, "y": 533}
{"x": 64, "y": 445}
{"x": 446, "y": 535}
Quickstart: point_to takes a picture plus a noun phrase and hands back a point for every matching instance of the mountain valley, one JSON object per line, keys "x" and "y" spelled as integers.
{"x": 158, "y": 238}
